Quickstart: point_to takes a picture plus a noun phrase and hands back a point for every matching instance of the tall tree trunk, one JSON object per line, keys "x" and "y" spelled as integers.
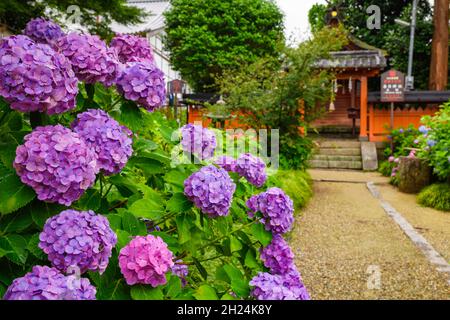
{"x": 439, "y": 53}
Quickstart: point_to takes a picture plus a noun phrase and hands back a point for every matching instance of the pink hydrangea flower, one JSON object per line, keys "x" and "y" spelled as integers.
{"x": 146, "y": 260}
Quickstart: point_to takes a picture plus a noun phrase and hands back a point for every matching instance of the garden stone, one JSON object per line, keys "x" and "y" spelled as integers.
{"x": 413, "y": 174}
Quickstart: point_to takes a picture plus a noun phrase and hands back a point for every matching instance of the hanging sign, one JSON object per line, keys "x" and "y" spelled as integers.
{"x": 392, "y": 86}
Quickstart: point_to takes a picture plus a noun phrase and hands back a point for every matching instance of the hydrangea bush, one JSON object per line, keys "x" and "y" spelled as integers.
{"x": 81, "y": 194}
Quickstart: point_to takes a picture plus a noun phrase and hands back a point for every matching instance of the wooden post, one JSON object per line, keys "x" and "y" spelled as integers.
{"x": 363, "y": 125}
{"x": 371, "y": 122}
{"x": 439, "y": 51}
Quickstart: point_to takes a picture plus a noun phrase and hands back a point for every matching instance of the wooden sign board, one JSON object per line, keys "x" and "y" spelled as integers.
{"x": 392, "y": 86}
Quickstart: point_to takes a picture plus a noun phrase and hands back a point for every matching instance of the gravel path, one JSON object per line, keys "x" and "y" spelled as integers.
{"x": 344, "y": 239}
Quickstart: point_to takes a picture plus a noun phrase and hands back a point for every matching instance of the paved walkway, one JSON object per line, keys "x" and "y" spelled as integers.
{"x": 347, "y": 247}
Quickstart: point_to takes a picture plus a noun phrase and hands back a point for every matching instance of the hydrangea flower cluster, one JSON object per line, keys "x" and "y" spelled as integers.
{"x": 78, "y": 239}
{"x": 111, "y": 142}
{"x": 43, "y": 31}
{"x": 276, "y": 207}
{"x": 198, "y": 141}
{"x": 145, "y": 260}
{"x": 33, "y": 77}
{"x": 45, "y": 283}
{"x": 131, "y": 48}
{"x": 278, "y": 287}
{"x": 278, "y": 256}
{"x": 226, "y": 163}
{"x": 91, "y": 59}
{"x": 211, "y": 190}
{"x": 56, "y": 163}
{"x": 252, "y": 168}
{"x": 181, "y": 271}
{"x": 143, "y": 83}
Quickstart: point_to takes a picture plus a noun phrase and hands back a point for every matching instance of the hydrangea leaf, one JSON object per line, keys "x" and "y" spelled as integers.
{"x": 261, "y": 234}
{"x": 34, "y": 248}
{"x": 16, "y": 222}
{"x": 141, "y": 292}
{"x": 14, "y": 194}
{"x": 91, "y": 200}
{"x": 131, "y": 115}
{"x": 41, "y": 211}
{"x": 16, "y": 244}
{"x": 147, "y": 208}
{"x": 178, "y": 203}
{"x": 250, "y": 259}
{"x": 132, "y": 225}
{"x": 205, "y": 292}
{"x": 174, "y": 287}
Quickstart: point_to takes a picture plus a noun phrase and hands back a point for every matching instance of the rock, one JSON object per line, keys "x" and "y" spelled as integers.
{"x": 413, "y": 174}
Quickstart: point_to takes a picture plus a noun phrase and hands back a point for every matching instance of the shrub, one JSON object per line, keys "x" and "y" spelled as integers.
{"x": 295, "y": 152}
{"x": 435, "y": 141}
{"x": 436, "y": 196}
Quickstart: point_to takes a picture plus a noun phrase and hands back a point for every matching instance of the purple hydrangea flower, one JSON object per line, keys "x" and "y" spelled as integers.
{"x": 43, "y": 31}
{"x": 146, "y": 260}
{"x": 91, "y": 59}
{"x": 278, "y": 287}
{"x": 276, "y": 207}
{"x": 56, "y": 163}
{"x": 252, "y": 168}
{"x": 181, "y": 271}
{"x": 401, "y": 131}
{"x": 278, "y": 256}
{"x": 78, "y": 239}
{"x": 431, "y": 143}
{"x": 143, "y": 83}
{"x": 211, "y": 190}
{"x": 424, "y": 130}
{"x": 33, "y": 77}
{"x": 226, "y": 163}
{"x": 45, "y": 283}
{"x": 198, "y": 141}
{"x": 131, "y": 48}
{"x": 111, "y": 142}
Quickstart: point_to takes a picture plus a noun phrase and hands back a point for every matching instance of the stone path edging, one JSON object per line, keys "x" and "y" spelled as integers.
{"x": 427, "y": 249}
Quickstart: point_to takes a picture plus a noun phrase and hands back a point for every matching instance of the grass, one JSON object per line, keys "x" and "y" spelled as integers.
{"x": 297, "y": 184}
{"x": 436, "y": 196}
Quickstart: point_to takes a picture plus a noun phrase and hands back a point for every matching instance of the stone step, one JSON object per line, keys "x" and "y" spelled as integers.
{"x": 325, "y": 164}
{"x": 339, "y": 144}
{"x": 339, "y": 151}
{"x": 335, "y": 158}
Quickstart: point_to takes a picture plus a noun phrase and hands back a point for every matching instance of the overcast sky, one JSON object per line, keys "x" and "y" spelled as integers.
{"x": 296, "y": 17}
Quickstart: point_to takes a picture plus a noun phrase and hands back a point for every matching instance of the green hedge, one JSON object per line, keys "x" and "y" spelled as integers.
{"x": 436, "y": 196}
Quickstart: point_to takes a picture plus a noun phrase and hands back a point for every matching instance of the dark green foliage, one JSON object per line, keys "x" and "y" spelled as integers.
{"x": 295, "y": 152}
{"x": 386, "y": 168}
{"x": 208, "y": 38}
{"x": 436, "y": 196}
{"x": 16, "y": 13}
{"x": 297, "y": 184}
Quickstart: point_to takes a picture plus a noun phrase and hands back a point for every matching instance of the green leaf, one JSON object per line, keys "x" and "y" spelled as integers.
{"x": 178, "y": 203}
{"x": 250, "y": 259}
{"x": 132, "y": 225}
{"x": 205, "y": 292}
{"x": 232, "y": 272}
{"x": 240, "y": 287}
{"x": 261, "y": 234}
{"x": 221, "y": 274}
{"x": 116, "y": 290}
{"x": 200, "y": 269}
{"x": 17, "y": 245}
{"x": 123, "y": 238}
{"x": 235, "y": 244}
{"x": 176, "y": 178}
{"x": 115, "y": 221}
{"x": 4, "y": 252}
{"x": 147, "y": 208}
{"x": 173, "y": 287}
{"x": 14, "y": 194}
{"x": 34, "y": 248}
{"x": 148, "y": 166}
{"x": 146, "y": 292}
{"x": 16, "y": 222}
{"x": 184, "y": 224}
{"x": 131, "y": 115}
{"x": 228, "y": 296}
{"x": 41, "y": 211}
{"x": 142, "y": 144}
{"x": 91, "y": 200}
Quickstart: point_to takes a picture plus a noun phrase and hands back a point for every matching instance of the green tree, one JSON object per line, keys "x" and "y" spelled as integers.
{"x": 208, "y": 38}
{"x": 391, "y": 37}
{"x": 16, "y": 13}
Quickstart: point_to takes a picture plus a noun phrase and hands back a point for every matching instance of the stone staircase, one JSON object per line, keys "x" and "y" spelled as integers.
{"x": 337, "y": 154}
